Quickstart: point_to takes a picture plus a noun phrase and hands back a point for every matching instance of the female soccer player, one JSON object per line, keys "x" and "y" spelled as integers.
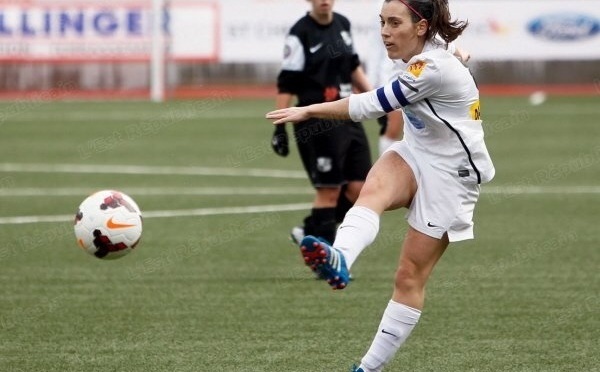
{"x": 381, "y": 70}
{"x": 435, "y": 171}
{"x": 320, "y": 64}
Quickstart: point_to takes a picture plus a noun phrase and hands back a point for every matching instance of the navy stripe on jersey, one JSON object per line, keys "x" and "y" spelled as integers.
{"x": 459, "y": 138}
{"x": 407, "y": 84}
{"x": 385, "y": 104}
{"x": 398, "y": 93}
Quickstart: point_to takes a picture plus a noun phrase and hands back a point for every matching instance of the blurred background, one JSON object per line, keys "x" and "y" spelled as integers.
{"x": 121, "y": 48}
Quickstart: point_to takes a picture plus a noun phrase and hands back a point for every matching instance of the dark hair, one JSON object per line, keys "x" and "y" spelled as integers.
{"x": 437, "y": 15}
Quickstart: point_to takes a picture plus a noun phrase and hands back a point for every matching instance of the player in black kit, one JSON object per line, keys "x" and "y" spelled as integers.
{"x": 321, "y": 65}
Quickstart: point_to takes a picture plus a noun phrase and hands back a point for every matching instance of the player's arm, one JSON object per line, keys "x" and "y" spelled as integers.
{"x": 462, "y": 55}
{"x": 283, "y": 100}
{"x": 421, "y": 80}
{"x": 280, "y": 142}
{"x": 289, "y": 82}
{"x": 329, "y": 110}
{"x": 360, "y": 82}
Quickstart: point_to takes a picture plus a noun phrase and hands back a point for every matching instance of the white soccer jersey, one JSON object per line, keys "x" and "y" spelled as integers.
{"x": 441, "y": 112}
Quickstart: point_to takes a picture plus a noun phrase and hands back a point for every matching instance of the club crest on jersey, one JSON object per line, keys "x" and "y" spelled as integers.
{"x": 416, "y": 68}
{"x": 331, "y": 94}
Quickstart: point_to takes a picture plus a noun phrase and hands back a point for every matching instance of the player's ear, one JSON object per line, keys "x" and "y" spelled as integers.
{"x": 422, "y": 27}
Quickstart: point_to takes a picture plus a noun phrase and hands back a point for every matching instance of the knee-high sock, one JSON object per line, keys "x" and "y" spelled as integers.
{"x": 396, "y": 325}
{"x": 356, "y": 232}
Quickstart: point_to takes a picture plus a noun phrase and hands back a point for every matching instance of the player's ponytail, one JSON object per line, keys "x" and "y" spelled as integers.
{"x": 442, "y": 24}
{"x": 437, "y": 15}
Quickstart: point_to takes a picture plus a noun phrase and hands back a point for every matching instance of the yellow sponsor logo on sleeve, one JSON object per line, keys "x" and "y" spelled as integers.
{"x": 475, "y": 111}
{"x": 417, "y": 68}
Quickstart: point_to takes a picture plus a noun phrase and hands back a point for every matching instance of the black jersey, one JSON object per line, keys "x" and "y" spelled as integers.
{"x": 318, "y": 61}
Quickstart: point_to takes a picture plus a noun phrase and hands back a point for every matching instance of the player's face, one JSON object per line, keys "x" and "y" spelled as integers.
{"x": 322, "y": 7}
{"x": 402, "y": 37}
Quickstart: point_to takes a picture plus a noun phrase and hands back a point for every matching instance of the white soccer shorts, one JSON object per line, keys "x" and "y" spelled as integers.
{"x": 443, "y": 202}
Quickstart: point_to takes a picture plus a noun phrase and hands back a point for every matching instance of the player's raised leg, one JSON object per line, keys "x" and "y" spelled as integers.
{"x": 382, "y": 190}
{"x": 390, "y": 184}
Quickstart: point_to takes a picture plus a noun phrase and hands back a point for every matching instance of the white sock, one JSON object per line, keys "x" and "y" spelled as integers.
{"x": 396, "y": 324}
{"x": 356, "y": 232}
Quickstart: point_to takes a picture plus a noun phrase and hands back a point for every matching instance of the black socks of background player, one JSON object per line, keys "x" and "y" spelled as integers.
{"x": 342, "y": 207}
{"x": 321, "y": 223}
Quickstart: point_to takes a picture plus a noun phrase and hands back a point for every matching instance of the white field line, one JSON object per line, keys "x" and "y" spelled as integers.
{"x": 507, "y": 190}
{"x": 129, "y": 117}
{"x": 158, "y": 191}
{"x": 529, "y": 190}
{"x": 168, "y": 213}
{"x": 152, "y": 170}
{"x": 128, "y": 169}
{"x": 214, "y": 191}
{"x": 235, "y": 172}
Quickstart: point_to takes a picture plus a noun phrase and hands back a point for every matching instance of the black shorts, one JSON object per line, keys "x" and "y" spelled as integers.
{"x": 333, "y": 152}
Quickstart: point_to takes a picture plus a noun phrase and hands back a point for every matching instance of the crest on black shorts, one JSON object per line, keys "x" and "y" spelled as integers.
{"x": 324, "y": 164}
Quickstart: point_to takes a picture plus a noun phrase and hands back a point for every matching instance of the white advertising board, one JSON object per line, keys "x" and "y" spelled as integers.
{"x": 530, "y": 29}
{"x": 498, "y": 30}
{"x": 252, "y": 31}
{"x": 83, "y": 30}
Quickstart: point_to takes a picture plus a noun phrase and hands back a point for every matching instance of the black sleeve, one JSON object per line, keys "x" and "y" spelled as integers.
{"x": 355, "y": 62}
{"x": 289, "y": 82}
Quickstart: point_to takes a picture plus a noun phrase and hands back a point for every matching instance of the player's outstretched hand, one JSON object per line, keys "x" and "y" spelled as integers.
{"x": 280, "y": 141}
{"x": 290, "y": 114}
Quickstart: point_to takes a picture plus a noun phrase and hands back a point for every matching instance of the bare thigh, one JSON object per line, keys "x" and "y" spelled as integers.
{"x": 390, "y": 184}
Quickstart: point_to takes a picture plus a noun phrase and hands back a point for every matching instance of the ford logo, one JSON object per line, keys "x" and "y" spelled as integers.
{"x": 564, "y": 27}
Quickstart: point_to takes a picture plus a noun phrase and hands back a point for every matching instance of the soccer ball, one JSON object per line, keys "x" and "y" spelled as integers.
{"x": 108, "y": 224}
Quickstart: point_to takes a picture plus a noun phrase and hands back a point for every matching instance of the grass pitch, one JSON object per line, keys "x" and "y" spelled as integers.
{"x": 215, "y": 285}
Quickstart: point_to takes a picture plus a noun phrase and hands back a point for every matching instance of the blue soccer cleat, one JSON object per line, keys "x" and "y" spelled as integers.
{"x": 325, "y": 260}
{"x": 355, "y": 368}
